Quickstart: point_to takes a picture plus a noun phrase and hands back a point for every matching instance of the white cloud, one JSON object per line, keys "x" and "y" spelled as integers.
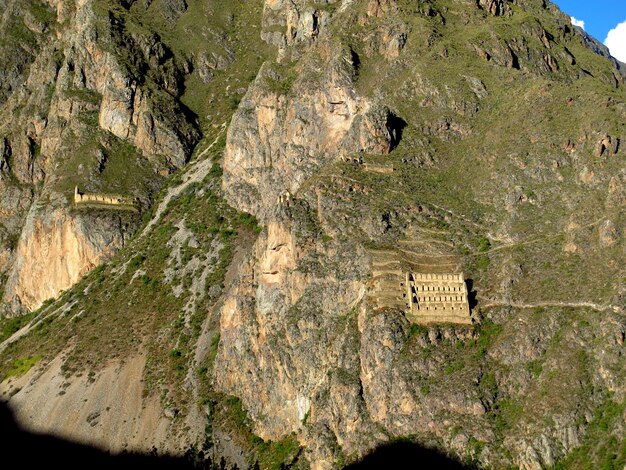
{"x": 579, "y": 23}
{"x": 616, "y": 41}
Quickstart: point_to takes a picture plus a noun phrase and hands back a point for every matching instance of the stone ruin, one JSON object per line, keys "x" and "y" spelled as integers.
{"x": 368, "y": 166}
{"x": 436, "y": 298}
{"x": 402, "y": 282}
{"x": 284, "y": 199}
{"x": 101, "y": 199}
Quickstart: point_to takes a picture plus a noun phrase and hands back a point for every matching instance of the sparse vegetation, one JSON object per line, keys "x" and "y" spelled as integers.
{"x": 604, "y": 446}
{"x": 9, "y": 326}
{"x": 21, "y": 366}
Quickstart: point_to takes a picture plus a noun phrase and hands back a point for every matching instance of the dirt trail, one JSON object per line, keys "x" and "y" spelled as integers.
{"x": 579, "y": 304}
{"x": 34, "y": 323}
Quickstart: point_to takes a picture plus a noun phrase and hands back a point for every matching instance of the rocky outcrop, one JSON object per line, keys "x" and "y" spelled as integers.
{"x": 84, "y": 93}
{"x": 379, "y": 8}
{"x": 60, "y": 248}
{"x": 495, "y": 7}
{"x": 156, "y": 124}
{"x": 285, "y": 129}
{"x": 292, "y": 26}
{"x": 300, "y": 326}
{"x": 127, "y": 114}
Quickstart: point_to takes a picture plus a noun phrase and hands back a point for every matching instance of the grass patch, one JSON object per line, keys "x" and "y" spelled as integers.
{"x": 250, "y": 221}
{"x": 505, "y": 414}
{"x": 276, "y": 455}
{"x": 453, "y": 366}
{"x": 488, "y": 332}
{"x": 230, "y": 414}
{"x": 21, "y": 366}
{"x": 84, "y": 94}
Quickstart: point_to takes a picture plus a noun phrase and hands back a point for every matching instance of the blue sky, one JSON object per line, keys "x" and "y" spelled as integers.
{"x": 600, "y": 17}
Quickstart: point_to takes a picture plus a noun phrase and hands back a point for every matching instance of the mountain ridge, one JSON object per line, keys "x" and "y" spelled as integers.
{"x": 482, "y": 136}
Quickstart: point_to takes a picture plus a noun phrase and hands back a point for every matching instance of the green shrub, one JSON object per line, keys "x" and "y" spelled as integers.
{"x": 453, "y": 366}
{"x": 275, "y": 455}
{"x": 249, "y": 221}
{"x": 482, "y": 262}
{"x": 483, "y": 244}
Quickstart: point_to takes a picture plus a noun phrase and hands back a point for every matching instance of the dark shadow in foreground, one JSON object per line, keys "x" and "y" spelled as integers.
{"x": 34, "y": 451}
{"x": 401, "y": 455}
{"x": 43, "y": 451}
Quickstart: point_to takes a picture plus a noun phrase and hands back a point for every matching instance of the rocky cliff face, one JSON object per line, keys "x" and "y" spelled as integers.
{"x": 60, "y": 248}
{"x": 476, "y": 136}
{"x": 75, "y": 102}
{"x": 300, "y": 342}
{"x": 277, "y": 141}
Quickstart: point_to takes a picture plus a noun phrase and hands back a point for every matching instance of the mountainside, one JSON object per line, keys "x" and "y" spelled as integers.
{"x": 262, "y": 174}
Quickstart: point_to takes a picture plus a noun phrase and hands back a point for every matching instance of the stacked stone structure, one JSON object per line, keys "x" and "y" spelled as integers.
{"x": 436, "y": 298}
{"x": 105, "y": 199}
{"x": 428, "y": 288}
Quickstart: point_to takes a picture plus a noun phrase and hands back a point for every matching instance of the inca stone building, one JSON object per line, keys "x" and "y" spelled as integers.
{"x": 427, "y": 289}
{"x": 81, "y": 198}
{"x": 436, "y": 298}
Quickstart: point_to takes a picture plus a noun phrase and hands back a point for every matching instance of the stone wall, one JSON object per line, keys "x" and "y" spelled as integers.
{"x": 436, "y": 298}
{"x": 425, "y": 297}
{"x": 98, "y": 198}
